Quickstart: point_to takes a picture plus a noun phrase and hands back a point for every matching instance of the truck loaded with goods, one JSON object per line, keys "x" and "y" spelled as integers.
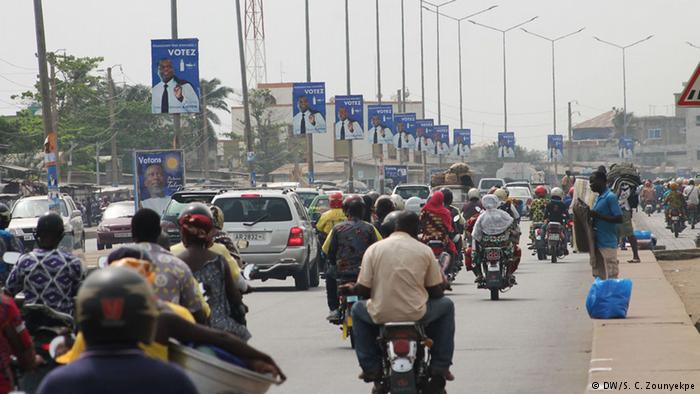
{"x": 458, "y": 178}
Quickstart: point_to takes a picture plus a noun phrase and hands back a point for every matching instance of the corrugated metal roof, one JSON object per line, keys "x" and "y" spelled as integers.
{"x": 602, "y": 121}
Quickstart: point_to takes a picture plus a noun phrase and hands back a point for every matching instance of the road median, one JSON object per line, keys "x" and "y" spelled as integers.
{"x": 656, "y": 348}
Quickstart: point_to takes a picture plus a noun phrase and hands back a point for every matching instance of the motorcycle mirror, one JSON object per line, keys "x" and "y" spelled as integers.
{"x": 248, "y": 271}
{"x": 10, "y": 257}
{"x": 102, "y": 262}
{"x": 242, "y": 244}
{"x": 455, "y": 219}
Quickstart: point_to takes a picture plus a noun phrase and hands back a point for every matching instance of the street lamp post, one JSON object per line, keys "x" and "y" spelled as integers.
{"x": 437, "y": 26}
{"x": 505, "y": 91}
{"x": 459, "y": 51}
{"x": 554, "y": 89}
{"x": 624, "y": 76}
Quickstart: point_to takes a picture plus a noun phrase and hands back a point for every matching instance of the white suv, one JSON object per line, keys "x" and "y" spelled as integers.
{"x": 25, "y": 215}
{"x": 279, "y": 232}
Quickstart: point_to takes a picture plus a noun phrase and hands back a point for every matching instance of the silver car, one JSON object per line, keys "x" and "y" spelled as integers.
{"x": 281, "y": 239}
{"x": 25, "y": 215}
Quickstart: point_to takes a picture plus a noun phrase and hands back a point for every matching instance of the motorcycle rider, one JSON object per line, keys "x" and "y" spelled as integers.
{"x": 506, "y": 204}
{"x": 382, "y": 207}
{"x": 116, "y": 309}
{"x": 569, "y": 198}
{"x": 448, "y": 199}
{"x": 494, "y": 221}
{"x": 674, "y": 200}
{"x": 537, "y": 211}
{"x": 332, "y": 216}
{"x": 413, "y": 204}
{"x": 344, "y": 248}
{"x": 15, "y": 341}
{"x": 557, "y": 212}
{"x": 436, "y": 222}
{"x": 47, "y": 275}
{"x": 648, "y": 194}
{"x": 402, "y": 282}
{"x": 473, "y": 206}
{"x": 8, "y": 242}
{"x": 692, "y": 197}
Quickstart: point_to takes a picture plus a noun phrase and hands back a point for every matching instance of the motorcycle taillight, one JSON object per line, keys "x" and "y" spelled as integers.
{"x": 401, "y": 347}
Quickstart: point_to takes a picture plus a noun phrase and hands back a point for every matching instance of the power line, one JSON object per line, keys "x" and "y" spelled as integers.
{"x": 20, "y": 67}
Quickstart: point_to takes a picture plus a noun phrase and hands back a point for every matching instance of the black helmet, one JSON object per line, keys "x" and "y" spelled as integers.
{"x": 50, "y": 224}
{"x": 374, "y": 196}
{"x": 389, "y": 224}
{"x": 354, "y": 205}
{"x": 5, "y": 215}
{"x": 447, "y": 193}
{"x": 196, "y": 208}
{"x": 116, "y": 305}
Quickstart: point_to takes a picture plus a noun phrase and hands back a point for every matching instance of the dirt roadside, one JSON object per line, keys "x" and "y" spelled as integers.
{"x": 684, "y": 276}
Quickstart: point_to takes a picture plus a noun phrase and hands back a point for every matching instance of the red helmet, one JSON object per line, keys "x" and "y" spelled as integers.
{"x": 335, "y": 200}
{"x": 571, "y": 191}
{"x": 540, "y": 191}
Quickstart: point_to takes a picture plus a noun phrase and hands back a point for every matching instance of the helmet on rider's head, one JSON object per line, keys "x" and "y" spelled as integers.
{"x": 335, "y": 200}
{"x": 413, "y": 204}
{"x": 398, "y": 201}
{"x": 50, "y": 226}
{"x": 374, "y": 195}
{"x": 571, "y": 191}
{"x": 116, "y": 305}
{"x": 449, "y": 197}
{"x": 501, "y": 194}
{"x": 389, "y": 224}
{"x": 218, "y": 215}
{"x": 673, "y": 186}
{"x": 5, "y": 215}
{"x": 354, "y": 205}
{"x": 197, "y": 223}
{"x": 473, "y": 193}
{"x": 557, "y": 192}
{"x": 540, "y": 191}
{"x": 679, "y": 180}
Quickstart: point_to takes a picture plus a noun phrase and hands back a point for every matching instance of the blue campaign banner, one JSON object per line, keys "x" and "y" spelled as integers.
{"x": 159, "y": 174}
{"x": 555, "y": 147}
{"x": 349, "y": 118}
{"x": 53, "y": 189}
{"x": 405, "y": 137}
{"x": 625, "y": 148}
{"x": 423, "y": 142}
{"x": 309, "y": 109}
{"x": 506, "y": 145}
{"x": 175, "y": 76}
{"x": 380, "y": 123}
{"x": 440, "y": 140}
{"x": 397, "y": 174}
{"x": 461, "y": 142}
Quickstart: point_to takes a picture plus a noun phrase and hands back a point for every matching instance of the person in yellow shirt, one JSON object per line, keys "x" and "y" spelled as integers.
{"x": 333, "y": 216}
{"x": 175, "y": 321}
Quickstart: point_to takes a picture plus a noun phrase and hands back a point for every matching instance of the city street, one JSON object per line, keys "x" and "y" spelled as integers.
{"x": 537, "y": 338}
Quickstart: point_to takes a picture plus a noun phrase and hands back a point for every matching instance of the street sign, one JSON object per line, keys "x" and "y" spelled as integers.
{"x": 691, "y": 94}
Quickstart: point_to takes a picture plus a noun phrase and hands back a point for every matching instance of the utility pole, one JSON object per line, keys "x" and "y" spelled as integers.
{"x": 380, "y": 168}
{"x": 244, "y": 85}
{"x": 422, "y": 64}
{"x": 571, "y": 143}
{"x": 399, "y": 152}
{"x": 173, "y": 33}
{"x": 70, "y": 162}
{"x": 43, "y": 72}
{"x": 113, "y": 129}
{"x": 97, "y": 163}
{"x": 54, "y": 107}
{"x": 309, "y": 136}
{"x": 205, "y": 134}
{"x": 351, "y": 176}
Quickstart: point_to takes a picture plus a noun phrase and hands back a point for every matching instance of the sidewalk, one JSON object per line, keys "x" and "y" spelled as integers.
{"x": 656, "y": 343}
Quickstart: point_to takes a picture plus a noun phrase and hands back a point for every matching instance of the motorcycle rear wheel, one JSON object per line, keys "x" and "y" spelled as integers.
{"x": 541, "y": 254}
{"x": 554, "y": 254}
{"x": 494, "y": 294}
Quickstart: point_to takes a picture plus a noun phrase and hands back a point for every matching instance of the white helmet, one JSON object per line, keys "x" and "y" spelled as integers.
{"x": 557, "y": 192}
{"x": 413, "y": 204}
{"x": 473, "y": 193}
{"x": 398, "y": 201}
{"x": 501, "y": 193}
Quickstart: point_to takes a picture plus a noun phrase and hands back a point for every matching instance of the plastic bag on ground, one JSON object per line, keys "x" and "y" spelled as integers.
{"x": 609, "y": 298}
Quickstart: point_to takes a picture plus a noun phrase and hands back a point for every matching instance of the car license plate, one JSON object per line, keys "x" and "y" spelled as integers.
{"x": 122, "y": 235}
{"x": 352, "y": 298}
{"x": 675, "y": 218}
{"x": 554, "y": 237}
{"x": 494, "y": 267}
{"x": 250, "y": 236}
{"x": 29, "y": 237}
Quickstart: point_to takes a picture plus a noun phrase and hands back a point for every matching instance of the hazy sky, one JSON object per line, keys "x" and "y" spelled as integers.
{"x": 587, "y": 71}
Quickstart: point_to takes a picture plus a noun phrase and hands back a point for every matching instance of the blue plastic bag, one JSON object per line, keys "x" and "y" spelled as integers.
{"x": 642, "y": 234}
{"x": 609, "y": 298}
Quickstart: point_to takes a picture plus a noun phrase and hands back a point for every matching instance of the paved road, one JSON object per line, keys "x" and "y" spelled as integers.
{"x": 656, "y": 224}
{"x": 537, "y": 339}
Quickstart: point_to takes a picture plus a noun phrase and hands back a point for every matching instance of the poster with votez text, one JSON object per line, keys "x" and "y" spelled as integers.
{"x": 175, "y": 76}
{"x": 380, "y": 124}
{"x": 309, "y": 109}
{"x": 461, "y": 142}
{"x": 349, "y": 118}
{"x": 506, "y": 145}
{"x": 440, "y": 137}
{"x": 555, "y": 147}
{"x": 423, "y": 142}
{"x": 405, "y": 136}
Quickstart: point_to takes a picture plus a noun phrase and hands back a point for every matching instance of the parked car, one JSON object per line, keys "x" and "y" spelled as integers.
{"x": 408, "y": 191}
{"x": 177, "y": 203}
{"x": 26, "y": 213}
{"x": 485, "y": 184}
{"x": 524, "y": 197}
{"x": 281, "y": 239}
{"x": 115, "y": 227}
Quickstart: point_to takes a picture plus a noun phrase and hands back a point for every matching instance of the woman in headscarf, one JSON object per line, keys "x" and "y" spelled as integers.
{"x": 436, "y": 222}
{"x": 494, "y": 227}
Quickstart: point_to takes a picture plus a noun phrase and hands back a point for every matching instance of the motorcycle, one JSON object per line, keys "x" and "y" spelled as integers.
{"x": 649, "y": 208}
{"x": 540, "y": 241}
{"x": 447, "y": 263}
{"x": 495, "y": 261}
{"x": 677, "y": 225}
{"x": 554, "y": 241}
{"x": 406, "y": 358}
{"x": 345, "y": 318}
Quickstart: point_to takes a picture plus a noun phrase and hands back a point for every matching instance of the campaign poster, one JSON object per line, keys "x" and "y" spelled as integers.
{"x": 461, "y": 142}
{"x": 405, "y": 137}
{"x": 396, "y": 174}
{"x": 625, "y": 148}
{"x": 349, "y": 117}
{"x": 506, "y": 145}
{"x": 423, "y": 142}
{"x": 440, "y": 140}
{"x": 309, "y": 109}
{"x": 380, "y": 124}
{"x": 159, "y": 174}
{"x": 555, "y": 147}
{"x": 175, "y": 76}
